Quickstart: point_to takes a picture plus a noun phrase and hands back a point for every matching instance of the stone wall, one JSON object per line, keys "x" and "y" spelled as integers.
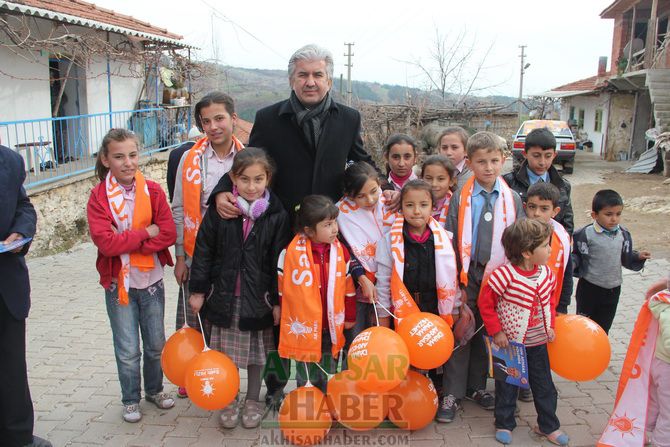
{"x": 61, "y": 207}
{"x": 619, "y": 126}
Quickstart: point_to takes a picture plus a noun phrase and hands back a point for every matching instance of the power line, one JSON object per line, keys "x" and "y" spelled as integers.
{"x": 225, "y": 18}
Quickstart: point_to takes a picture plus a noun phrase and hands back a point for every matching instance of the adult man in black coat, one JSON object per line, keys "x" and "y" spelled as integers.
{"x": 17, "y": 220}
{"x": 309, "y": 136}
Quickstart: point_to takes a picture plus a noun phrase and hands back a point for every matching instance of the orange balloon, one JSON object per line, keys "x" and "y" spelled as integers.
{"x": 354, "y": 407}
{"x": 412, "y": 405}
{"x": 429, "y": 339}
{"x": 378, "y": 358}
{"x": 304, "y": 417}
{"x": 179, "y": 349}
{"x": 212, "y": 380}
{"x": 581, "y": 350}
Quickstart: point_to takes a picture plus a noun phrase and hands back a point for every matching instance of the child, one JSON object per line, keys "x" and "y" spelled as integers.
{"x": 318, "y": 297}
{"x": 452, "y": 143}
{"x": 363, "y": 220}
{"x": 539, "y": 153}
{"x": 235, "y": 260}
{"x": 644, "y": 385}
{"x": 423, "y": 264}
{"x": 198, "y": 172}
{"x": 478, "y": 214}
{"x": 400, "y": 155}
{"x": 440, "y": 174}
{"x": 598, "y": 253}
{"x": 542, "y": 203}
{"x": 131, "y": 224}
{"x": 515, "y": 304}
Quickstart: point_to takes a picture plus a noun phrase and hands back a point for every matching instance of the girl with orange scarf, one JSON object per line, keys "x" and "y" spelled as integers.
{"x": 439, "y": 172}
{"x": 199, "y": 171}
{"x": 317, "y": 293}
{"x": 131, "y": 224}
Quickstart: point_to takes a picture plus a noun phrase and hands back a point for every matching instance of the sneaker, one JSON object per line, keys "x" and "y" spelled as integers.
{"x": 482, "y": 398}
{"x": 230, "y": 415}
{"x": 446, "y": 412}
{"x": 252, "y": 413}
{"x": 181, "y": 392}
{"x": 161, "y": 400}
{"x": 132, "y": 413}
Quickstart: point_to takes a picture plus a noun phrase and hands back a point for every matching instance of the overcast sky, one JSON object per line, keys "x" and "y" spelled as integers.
{"x": 564, "y": 39}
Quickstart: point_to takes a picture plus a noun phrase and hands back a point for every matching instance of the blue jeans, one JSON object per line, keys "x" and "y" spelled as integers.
{"x": 545, "y": 396}
{"x": 144, "y": 313}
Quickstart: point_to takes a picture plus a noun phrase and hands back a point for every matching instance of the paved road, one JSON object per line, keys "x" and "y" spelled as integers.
{"x": 77, "y": 396}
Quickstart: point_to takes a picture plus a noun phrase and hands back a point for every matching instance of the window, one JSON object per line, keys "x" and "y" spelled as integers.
{"x": 572, "y": 113}
{"x": 598, "y": 124}
{"x": 580, "y": 120}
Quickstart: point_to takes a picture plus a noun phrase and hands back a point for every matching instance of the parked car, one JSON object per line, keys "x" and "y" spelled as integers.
{"x": 565, "y": 142}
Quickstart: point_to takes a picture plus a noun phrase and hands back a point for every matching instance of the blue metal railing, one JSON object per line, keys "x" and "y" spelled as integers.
{"x": 58, "y": 148}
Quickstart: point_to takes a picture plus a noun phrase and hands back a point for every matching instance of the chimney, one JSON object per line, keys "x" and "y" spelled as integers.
{"x": 602, "y": 66}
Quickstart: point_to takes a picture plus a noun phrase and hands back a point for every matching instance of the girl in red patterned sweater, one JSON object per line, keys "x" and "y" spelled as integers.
{"x": 515, "y": 305}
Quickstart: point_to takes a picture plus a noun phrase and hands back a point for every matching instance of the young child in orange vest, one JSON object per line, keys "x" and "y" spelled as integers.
{"x": 478, "y": 214}
{"x": 317, "y": 293}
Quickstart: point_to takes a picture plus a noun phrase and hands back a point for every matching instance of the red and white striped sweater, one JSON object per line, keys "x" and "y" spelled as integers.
{"x": 511, "y": 296}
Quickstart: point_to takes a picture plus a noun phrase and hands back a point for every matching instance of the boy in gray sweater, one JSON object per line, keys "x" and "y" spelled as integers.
{"x": 599, "y": 251}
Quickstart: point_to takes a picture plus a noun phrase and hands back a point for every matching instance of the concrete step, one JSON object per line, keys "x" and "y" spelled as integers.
{"x": 662, "y": 106}
{"x": 660, "y": 74}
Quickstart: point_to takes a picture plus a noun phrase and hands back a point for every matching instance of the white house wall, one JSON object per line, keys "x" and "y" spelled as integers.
{"x": 24, "y": 95}
{"x": 590, "y": 104}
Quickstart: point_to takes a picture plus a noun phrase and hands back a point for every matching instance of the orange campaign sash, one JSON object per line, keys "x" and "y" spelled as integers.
{"x": 446, "y": 276}
{"x": 363, "y": 229}
{"x": 301, "y": 309}
{"x": 442, "y": 218}
{"x": 560, "y": 255}
{"x": 504, "y": 213}
{"x": 626, "y": 426}
{"x": 191, "y": 180}
{"x": 141, "y": 220}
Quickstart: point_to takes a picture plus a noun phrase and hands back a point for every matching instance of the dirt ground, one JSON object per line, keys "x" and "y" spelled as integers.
{"x": 646, "y": 200}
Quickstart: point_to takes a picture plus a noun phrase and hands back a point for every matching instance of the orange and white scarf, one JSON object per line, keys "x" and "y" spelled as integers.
{"x": 363, "y": 228}
{"x": 301, "y": 309}
{"x": 626, "y": 426}
{"x": 560, "y": 255}
{"x": 441, "y": 214}
{"x": 191, "y": 181}
{"x": 141, "y": 220}
{"x": 504, "y": 213}
{"x": 446, "y": 276}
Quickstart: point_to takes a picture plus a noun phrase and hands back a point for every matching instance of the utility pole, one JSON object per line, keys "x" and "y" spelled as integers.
{"x": 349, "y": 54}
{"x": 522, "y": 71}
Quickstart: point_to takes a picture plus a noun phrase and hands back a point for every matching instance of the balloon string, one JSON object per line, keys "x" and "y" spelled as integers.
{"x": 374, "y": 306}
{"x": 328, "y": 375}
{"x": 460, "y": 346}
{"x": 202, "y": 332}
{"x": 388, "y": 311}
{"x": 183, "y": 298}
{"x": 309, "y": 382}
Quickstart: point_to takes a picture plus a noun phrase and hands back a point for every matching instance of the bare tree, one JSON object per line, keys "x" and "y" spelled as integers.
{"x": 455, "y": 66}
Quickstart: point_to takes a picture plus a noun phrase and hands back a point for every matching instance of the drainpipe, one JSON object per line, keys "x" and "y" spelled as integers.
{"x": 109, "y": 88}
{"x": 633, "y": 125}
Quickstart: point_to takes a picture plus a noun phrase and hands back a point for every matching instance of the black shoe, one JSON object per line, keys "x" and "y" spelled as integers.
{"x": 525, "y": 395}
{"x": 39, "y": 442}
{"x": 482, "y": 398}
{"x": 275, "y": 400}
{"x": 446, "y": 412}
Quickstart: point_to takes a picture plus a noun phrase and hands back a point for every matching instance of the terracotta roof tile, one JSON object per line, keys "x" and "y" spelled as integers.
{"x": 587, "y": 84}
{"x": 90, "y": 11}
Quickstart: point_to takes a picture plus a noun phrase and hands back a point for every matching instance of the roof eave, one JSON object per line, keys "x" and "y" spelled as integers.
{"x": 94, "y": 24}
